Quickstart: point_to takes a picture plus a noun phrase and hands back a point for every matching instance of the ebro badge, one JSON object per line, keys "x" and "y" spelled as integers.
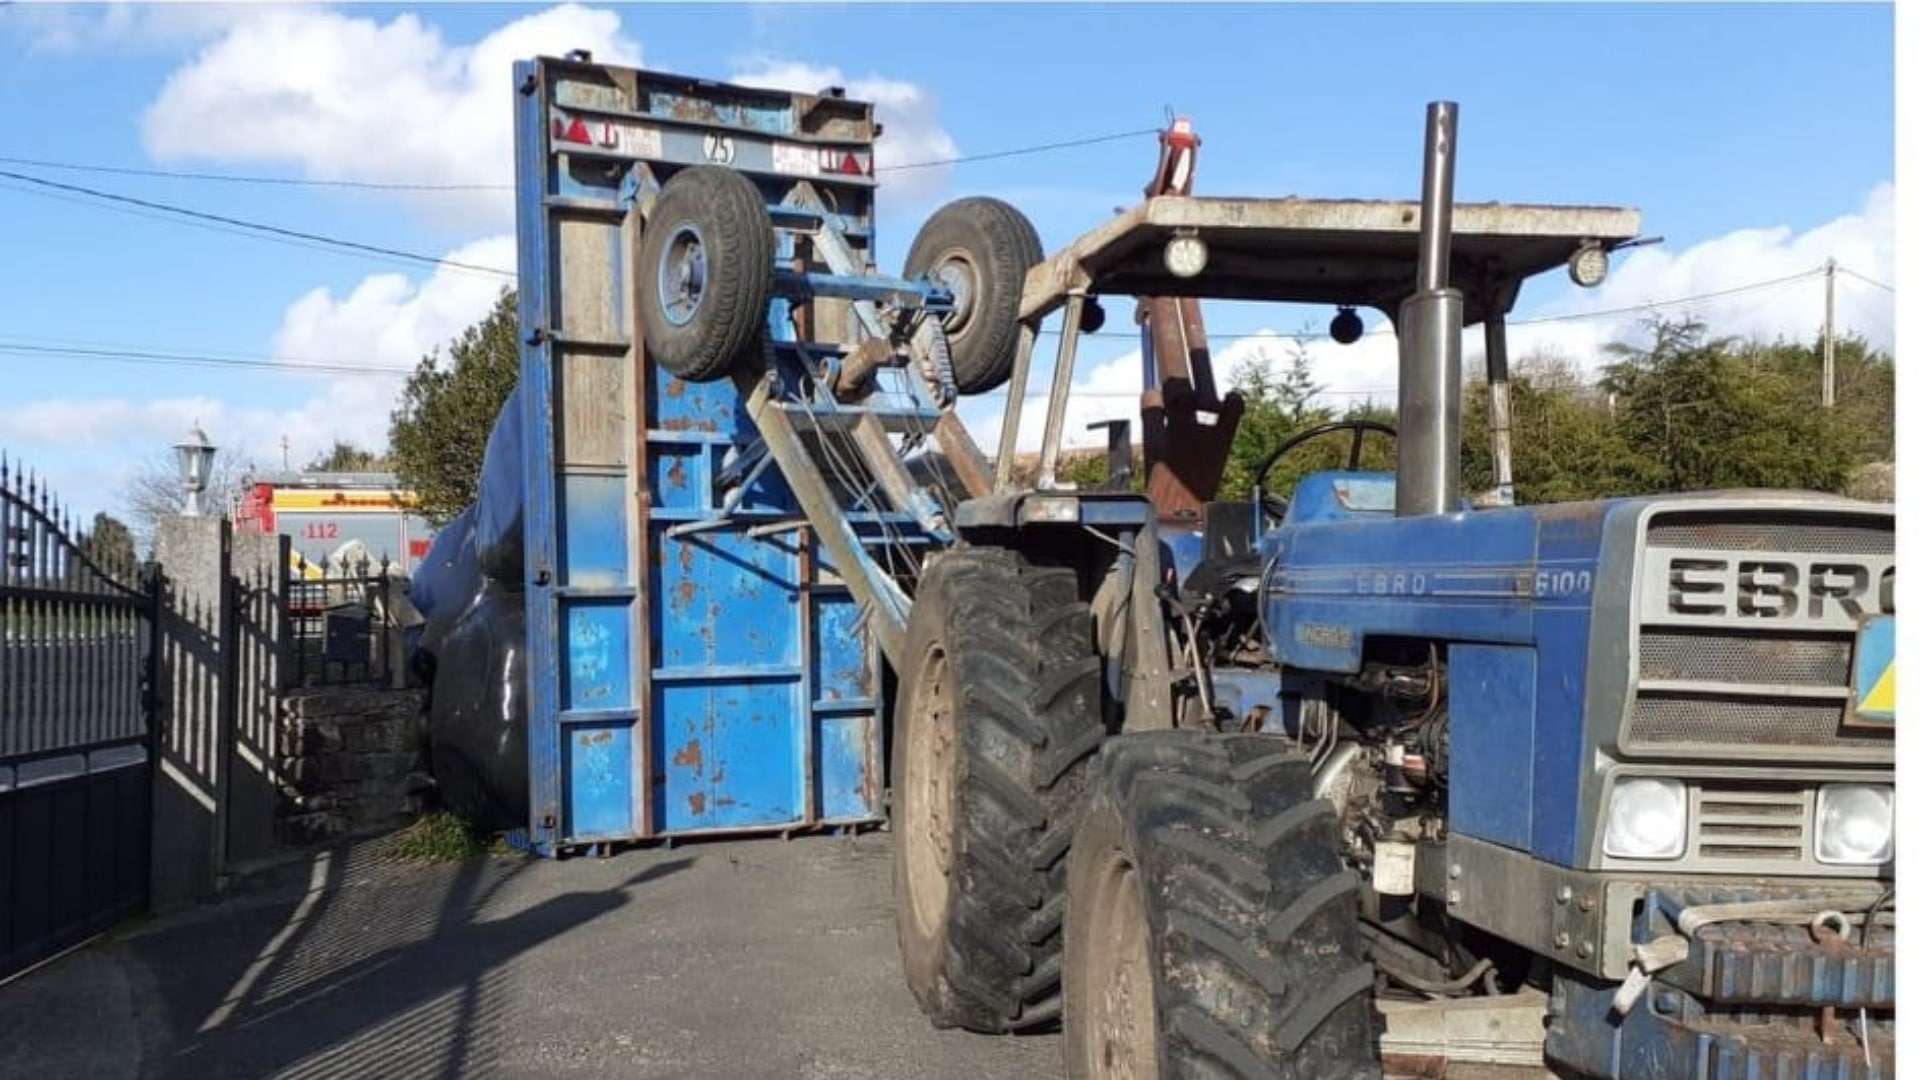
{"x": 1873, "y": 664}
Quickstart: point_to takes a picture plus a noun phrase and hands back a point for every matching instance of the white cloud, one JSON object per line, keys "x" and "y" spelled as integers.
{"x": 94, "y": 420}
{"x": 909, "y": 117}
{"x": 389, "y": 320}
{"x": 1108, "y": 388}
{"x": 72, "y": 28}
{"x": 344, "y": 97}
{"x": 1861, "y": 241}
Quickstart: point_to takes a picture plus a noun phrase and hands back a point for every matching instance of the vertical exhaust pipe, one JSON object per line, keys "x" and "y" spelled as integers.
{"x": 1429, "y": 331}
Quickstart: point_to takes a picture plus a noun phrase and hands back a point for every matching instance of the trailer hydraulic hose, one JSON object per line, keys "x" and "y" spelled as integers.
{"x": 1442, "y": 988}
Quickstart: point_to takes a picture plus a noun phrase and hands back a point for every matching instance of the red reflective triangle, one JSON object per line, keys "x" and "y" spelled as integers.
{"x": 850, "y": 165}
{"x": 576, "y": 131}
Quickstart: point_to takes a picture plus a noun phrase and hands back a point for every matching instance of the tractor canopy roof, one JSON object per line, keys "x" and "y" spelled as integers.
{"x": 1323, "y": 251}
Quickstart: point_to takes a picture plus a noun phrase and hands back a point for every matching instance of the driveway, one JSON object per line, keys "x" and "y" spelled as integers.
{"x": 745, "y": 959}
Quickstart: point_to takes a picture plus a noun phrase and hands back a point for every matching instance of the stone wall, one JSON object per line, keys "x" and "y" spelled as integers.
{"x": 352, "y": 758}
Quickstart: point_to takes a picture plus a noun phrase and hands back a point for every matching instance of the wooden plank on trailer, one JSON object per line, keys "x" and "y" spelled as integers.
{"x": 588, "y": 306}
{"x": 594, "y": 428}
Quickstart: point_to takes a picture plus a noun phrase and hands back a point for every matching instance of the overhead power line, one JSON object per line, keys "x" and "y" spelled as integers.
{"x": 1865, "y": 278}
{"x": 264, "y": 228}
{"x": 1387, "y": 328}
{"x": 236, "y": 178}
{"x": 426, "y": 185}
{"x": 1042, "y": 148}
{"x": 1676, "y": 301}
{"x": 81, "y": 194}
{"x": 170, "y": 358}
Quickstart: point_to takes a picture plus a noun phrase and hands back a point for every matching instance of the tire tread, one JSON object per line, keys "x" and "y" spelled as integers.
{"x": 1019, "y": 643}
{"x": 1253, "y": 920}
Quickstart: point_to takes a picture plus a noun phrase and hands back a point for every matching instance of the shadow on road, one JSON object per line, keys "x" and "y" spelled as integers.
{"x": 378, "y": 968}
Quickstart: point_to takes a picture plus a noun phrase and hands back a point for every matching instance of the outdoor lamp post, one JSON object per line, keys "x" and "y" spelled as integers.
{"x": 195, "y": 458}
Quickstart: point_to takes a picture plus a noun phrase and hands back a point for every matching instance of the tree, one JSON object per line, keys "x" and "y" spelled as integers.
{"x": 1710, "y": 413}
{"x": 1278, "y": 409}
{"x": 438, "y": 434}
{"x": 154, "y": 491}
{"x": 110, "y": 544}
{"x": 1296, "y": 389}
{"x": 1862, "y": 387}
{"x": 1566, "y": 447}
{"x": 346, "y": 457}
{"x": 1086, "y": 470}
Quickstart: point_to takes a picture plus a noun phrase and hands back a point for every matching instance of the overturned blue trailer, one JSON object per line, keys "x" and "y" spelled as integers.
{"x": 701, "y": 653}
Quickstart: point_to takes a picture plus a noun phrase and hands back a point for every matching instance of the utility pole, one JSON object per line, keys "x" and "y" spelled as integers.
{"x": 1826, "y": 361}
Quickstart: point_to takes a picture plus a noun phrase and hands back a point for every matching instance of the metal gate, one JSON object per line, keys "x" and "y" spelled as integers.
{"x": 77, "y": 648}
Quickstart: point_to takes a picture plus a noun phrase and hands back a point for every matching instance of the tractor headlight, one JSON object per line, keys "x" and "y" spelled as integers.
{"x": 1647, "y": 819}
{"x": 1588, "y": 266}
{"x": 1186, "y": 255}
{"x": 1853, "y": 824}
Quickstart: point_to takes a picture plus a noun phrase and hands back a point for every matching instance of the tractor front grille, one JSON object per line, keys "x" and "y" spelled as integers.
{"x": 1816, "y": 534}
{"x": 1734, "y": 823}
{"x": 1731, "y": 688}
{"x": 1681, "y": 654}
{"x": 1708, "y": 719}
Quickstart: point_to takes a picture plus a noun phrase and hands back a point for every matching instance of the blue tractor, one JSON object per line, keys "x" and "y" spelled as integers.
{"x": 1372, "y": 775}
{"x": 1355, "y": 775}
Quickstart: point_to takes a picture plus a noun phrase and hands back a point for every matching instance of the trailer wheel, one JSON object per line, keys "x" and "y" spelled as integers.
{"x": 1212, "y": 929}
{"x": 705, "y": 271}
{"x": 981, "y": 249}
{"x": 999, "y": 712}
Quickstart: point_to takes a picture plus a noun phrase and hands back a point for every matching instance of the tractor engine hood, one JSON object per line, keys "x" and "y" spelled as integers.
{"x": 1707, "y": 631}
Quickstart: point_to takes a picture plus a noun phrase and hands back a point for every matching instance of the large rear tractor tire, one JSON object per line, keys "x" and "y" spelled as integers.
{"x": 981, "y": 249}
{"x": 705, "y": 272}
{"x": 998, "y": 714}
{"x": 1212, "y": 929}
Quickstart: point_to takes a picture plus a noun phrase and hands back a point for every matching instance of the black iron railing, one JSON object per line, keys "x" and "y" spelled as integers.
{"x": 341, "y": 622}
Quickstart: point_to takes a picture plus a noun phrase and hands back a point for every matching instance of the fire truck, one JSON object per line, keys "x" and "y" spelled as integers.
{"x": 336, "y": 517}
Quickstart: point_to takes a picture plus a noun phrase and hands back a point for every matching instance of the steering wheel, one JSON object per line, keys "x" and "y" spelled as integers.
{"x": 1277, "y": 507}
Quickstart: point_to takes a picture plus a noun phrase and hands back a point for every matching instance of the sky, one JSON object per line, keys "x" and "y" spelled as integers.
{"x": 1756, "y": 141}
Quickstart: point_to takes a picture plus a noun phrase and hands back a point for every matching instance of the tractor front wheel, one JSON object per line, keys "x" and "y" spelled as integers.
{"x": 1212, "y": 929}
{"x": 997, "y": 716}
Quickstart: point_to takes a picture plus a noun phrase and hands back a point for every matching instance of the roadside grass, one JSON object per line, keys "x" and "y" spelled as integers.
{"x": 442, "y": 836}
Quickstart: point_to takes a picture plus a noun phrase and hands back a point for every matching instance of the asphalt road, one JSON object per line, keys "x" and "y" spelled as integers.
{"x": 739, "y": 959}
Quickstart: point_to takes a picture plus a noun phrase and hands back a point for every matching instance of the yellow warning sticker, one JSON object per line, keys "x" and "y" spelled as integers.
{"x": 1873, "y": 673}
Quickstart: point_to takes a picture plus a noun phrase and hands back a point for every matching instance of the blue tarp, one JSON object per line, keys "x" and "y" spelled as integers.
{"x": 498, "y": 512}
{"x": 445, "y": 576}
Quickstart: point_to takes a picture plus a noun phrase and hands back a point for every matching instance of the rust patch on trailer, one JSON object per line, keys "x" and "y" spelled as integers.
{"x": 697, "y": 802}
{"x": 677, "y": 473}
{"x": 860, "y": 672}
{"x": 684, "y": 423}
{"x": 683, "y": 595}
{"x": 676, "y": 387}
{"x": 689, "y": 756}
{"x": 691, "y": 108}
{"x": 869, "y": 789}
{"x": 1415, "y": 1066}
{"x": 686, "y": 557}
